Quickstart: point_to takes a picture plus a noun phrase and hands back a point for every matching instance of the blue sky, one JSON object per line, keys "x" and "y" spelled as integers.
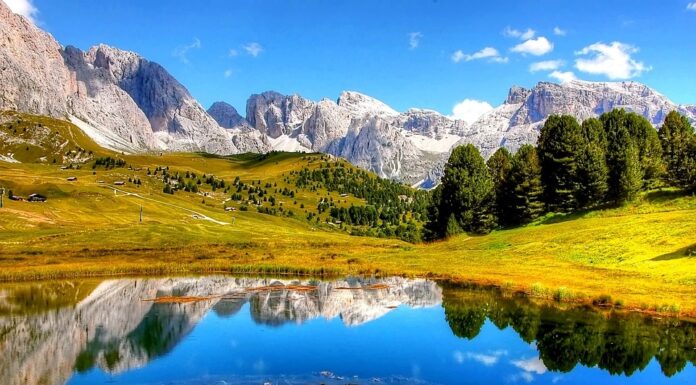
{"x": 407, "y": 53}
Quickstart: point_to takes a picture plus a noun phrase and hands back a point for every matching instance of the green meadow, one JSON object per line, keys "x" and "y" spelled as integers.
{"x": 639, "y": 256}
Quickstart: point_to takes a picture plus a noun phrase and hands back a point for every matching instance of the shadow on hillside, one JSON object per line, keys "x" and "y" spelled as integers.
{"x": 661, "y": 196}
{"x": 686, "y": 252}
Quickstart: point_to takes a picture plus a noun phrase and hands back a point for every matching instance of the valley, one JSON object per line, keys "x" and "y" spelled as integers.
{"x": 640, "y": 254}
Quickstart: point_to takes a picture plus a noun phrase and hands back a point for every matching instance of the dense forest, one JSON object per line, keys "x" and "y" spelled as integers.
{"x": 602, "y": 161}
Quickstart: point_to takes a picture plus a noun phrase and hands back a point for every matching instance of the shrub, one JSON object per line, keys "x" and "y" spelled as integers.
{"x": 602, "y": 300}
{"x": 539, "y": 290}
{"x": 562, "y": 294}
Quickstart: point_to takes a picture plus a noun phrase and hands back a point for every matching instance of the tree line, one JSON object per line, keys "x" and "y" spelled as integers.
{"x": 575, "y": 166}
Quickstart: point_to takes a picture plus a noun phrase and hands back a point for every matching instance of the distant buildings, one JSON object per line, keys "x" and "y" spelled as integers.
{"x": 36, "y": 198}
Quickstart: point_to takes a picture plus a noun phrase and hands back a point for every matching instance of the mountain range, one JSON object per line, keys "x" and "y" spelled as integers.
{"x": 127, "y": 103}
{"x": 47, "y": 347}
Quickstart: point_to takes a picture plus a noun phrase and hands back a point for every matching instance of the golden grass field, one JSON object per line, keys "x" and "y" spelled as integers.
{"x": 636, "y": 254}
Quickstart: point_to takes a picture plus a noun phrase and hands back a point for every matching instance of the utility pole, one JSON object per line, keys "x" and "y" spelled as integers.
{"x": 141, "y": 213}
{"x": 2, "y": 194}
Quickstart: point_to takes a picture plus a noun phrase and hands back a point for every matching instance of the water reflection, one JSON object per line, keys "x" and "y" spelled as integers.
{"x": 564, "y": 338}
{"x": 58, "y": 332}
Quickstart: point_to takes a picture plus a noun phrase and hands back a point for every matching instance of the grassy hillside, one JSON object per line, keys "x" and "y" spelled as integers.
{"x": 640, "y": 255}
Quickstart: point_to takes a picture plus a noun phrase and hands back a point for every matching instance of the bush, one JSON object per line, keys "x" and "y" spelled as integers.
{"x": 562, "y": 294}
{"x": 602, "y": 300}
{"x": 539, "y": 290}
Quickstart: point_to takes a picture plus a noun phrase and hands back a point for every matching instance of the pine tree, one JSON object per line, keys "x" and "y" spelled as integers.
{"x": 631, "y": 177}
{"x": 560, "y": 143}
{"x": 647, "y": 142}
{"x": 690, "y": 166}
{"x": 592, "y": 175}
{"x": 526, "y": 188}
{"x": 467, "y": 194}
{"x": 621, "y": 150}
{"x": 593, "y": 133}
{"x": 675, "y": 136}
{"x": 433, "y": 228}
{"x": 499, "y": 165}
{"x": 625, "y": 176}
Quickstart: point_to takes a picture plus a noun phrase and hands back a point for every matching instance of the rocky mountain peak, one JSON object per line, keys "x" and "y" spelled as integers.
{"x": 226, "y": 115}
{"x": 359, "y": 104}
{"x": 517, "y": 95}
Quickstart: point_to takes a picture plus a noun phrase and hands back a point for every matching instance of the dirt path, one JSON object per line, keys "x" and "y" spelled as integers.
{"x": 196, "y": 214}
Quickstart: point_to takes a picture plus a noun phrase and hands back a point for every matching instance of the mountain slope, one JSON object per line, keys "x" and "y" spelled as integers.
{"x": 363, "y": 130}
{"x": 129, "y": 104}
{"x": 122, "y": 100}
{"x": 518, "y": 120}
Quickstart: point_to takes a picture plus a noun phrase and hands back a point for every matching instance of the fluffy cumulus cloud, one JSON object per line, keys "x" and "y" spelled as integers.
{"x": 469, "y": 110}
{"x": 537, "y": 47}
{"x": 546, "y": 65}
{"x": 524, "y": 35}
{"x": 529, "y": 368}
{"x": 691, "y": 6}
{"x": 558, "y": 31}
{"x": 414, "y": 39}
{"x": 182, "y": 51}
{"x": 563, "y": 77}
{"x": 254, "y": 49}
{"x": 489, "y": 53}
{"x": 531, "y": 365}
{"x": 25, "y": 8}
{"x": 611, "y": 60}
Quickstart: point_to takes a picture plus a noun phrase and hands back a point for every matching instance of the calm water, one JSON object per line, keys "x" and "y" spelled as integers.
{"x": 349, "y": 331}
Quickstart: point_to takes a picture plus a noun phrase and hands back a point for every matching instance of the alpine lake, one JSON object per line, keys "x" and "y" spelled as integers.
{"x": 224, "y": 330}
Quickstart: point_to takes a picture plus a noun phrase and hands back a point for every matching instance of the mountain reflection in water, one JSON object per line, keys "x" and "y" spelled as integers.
{"x": 88, "y": 331}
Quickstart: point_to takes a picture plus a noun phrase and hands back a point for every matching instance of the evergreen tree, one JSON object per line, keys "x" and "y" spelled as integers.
{"x": 467, "y": 194}
{"x": 499, "y": 165}
{"x": 526, "y": 188}
{"x": 434, "y": 227}
{"x": 593, "y": 133}
{"x": 623, "y": 158}
{"x": 647, "y": 142}
{"x": 625, "y": 174}
{"x": 592, "y": 175}
{"x": 690, "y": 166}
{"x": 560, "y": 143}
{"x": 675, "y": 136}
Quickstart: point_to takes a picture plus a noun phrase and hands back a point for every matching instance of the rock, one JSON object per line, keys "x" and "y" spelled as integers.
{"x": 225, "y": 115}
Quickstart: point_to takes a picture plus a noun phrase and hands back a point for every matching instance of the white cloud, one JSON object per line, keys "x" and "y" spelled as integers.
{"x": 228, "y": 73}
{"x": 489, "y": 53}
{"x": 182, "y": 51}
{"x": 488, "y": 359}
{"x": 253, "y": 49}
{"x": 691, "y": 6}
{"x": 611, "y": 60}
{"x": 414, "y": 39}
{"x": 558, "y": 31}
{"x": 563, "y": 77}
{"x": 232, "y": 52}
{"x": 546, "y": 65}
{"x": 531, "y": 365}
{"x": 469, "y": 110}
{"x": 25, "y": 8}
{"x": 523, "y": 35}
{"x": 536, "y": 47}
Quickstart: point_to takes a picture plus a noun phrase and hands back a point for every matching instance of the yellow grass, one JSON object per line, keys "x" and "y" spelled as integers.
{"x": 636, "y": 254}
